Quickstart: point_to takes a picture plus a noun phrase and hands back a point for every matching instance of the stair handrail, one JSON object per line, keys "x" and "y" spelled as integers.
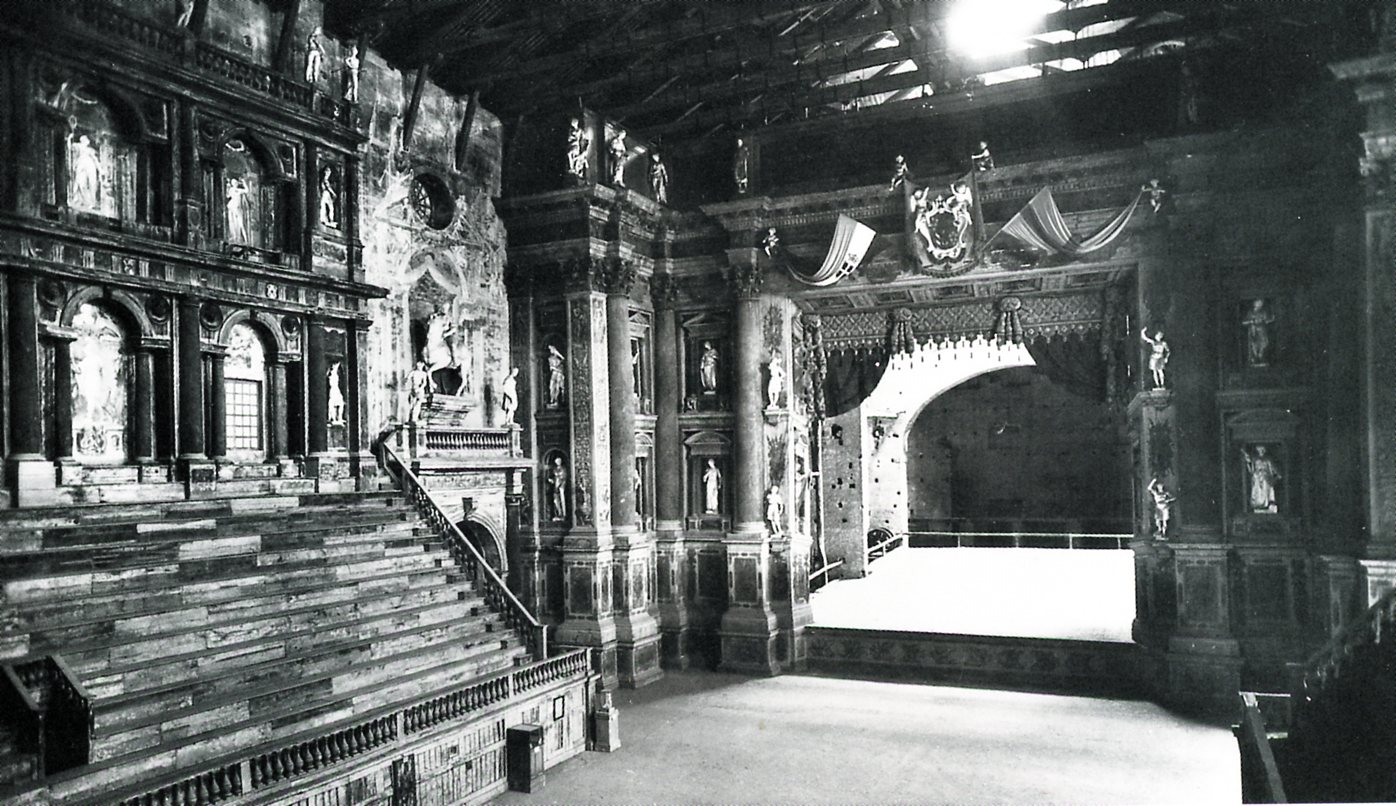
{"x": 28, "y": 717}
{"x": 69, "y": 721}
{"x": 496, "y": 590}
{"x": 1360, "y": 631}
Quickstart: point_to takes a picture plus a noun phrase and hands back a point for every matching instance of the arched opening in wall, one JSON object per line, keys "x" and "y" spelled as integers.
{"x": 101, "y": 380}
{"x": 484, "y": 542}
{"x": 1019, "y": 509}
{"x": 436, "y": 340}
{"x": 246, "y": 394}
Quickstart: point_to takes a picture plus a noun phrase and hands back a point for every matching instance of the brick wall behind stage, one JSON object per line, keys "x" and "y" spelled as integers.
{"x": 1018, "y": 446}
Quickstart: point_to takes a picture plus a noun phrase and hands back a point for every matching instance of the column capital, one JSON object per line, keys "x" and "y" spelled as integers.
{"x": 747, "y": 280}
{"x": 617, "y": 276}
{"x": 581, "y": 274}
{"x": 664, "y": 291}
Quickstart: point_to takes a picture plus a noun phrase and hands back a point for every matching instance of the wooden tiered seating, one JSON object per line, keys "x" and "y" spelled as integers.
{"x": 203, "y": 628}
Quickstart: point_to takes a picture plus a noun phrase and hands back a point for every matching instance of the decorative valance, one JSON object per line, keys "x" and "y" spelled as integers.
{"x": 846, "y": 252}
{"x": 1041, "y": 225}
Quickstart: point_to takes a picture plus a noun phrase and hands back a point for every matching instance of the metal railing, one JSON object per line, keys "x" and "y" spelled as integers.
{"x": 882, "y": 542}
{"x": 820, "y": 577}
{"x": 1015, "y": 539}
{"x": 496, "y": 591}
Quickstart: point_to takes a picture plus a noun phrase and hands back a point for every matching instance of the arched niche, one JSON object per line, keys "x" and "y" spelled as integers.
{"x": 486, "y": 535}
{"x": 100, "y": 381}
{"x": 249, "y": 195}
{"x": 708, "y": 463}
{"x": 435, "y": 301}
{"x": 102, "y": 160}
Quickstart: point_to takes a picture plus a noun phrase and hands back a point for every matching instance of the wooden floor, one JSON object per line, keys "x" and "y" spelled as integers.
{"x": 1085, "y": 594}
{"x": 704, "y": 737}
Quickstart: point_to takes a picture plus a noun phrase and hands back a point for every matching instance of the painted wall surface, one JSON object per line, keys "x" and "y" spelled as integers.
{"x": 1018, "y": 447}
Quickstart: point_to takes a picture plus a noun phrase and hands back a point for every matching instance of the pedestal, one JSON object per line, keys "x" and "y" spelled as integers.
{"x": 33, "y": 480}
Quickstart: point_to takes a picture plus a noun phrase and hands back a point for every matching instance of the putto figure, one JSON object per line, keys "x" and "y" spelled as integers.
{"x": 982, "y": 159}
{"x": 901, "y": 174}
{"x": 771, "y": 242}
{"x": 1158, "y": 355}
{"x": 1156, "y": 194}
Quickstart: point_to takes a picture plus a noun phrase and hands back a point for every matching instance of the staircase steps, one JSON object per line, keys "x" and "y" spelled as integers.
{"x": 205, "y": 628}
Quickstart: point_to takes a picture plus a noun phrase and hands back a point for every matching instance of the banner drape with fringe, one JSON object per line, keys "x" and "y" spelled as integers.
{"x": 1041, "y": 225}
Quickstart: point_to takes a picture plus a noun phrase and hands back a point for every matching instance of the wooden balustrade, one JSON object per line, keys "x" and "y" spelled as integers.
{"x": 468, "y": 440}
{"x": 495, "y": 591}
{"x": 50, "y": 712}
{"x": 268, "y": 767}
{"x": 23, "y": 714}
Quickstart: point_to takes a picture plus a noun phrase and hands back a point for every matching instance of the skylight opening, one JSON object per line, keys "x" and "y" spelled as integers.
{"x": 982, "y": 28}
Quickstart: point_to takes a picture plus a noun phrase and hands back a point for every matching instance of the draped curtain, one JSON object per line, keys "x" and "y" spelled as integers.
{"x": 1041, "y": 225}
{"x": 1072, "y": 362}
{"x": 852, "y": 376}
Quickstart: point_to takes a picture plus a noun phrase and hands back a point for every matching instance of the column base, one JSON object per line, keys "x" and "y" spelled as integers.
{"x": 365, "y": 471}
{"x": 330, "y": 472}
{"x": 637, "y": 664}
{"x": 598, "y": 635}
{"x": 673, "y": 636}
{"x": 749, "y": 638}
{"x": 1203, "y": 675}
{"x": 33, "y": 480}
{"x": 200, "y": 476}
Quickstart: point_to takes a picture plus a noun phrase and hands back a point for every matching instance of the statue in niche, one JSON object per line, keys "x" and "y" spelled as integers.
{"x": 618, "y": 151}
{"x": 1163, "y": 507}
{"x": 1156, "y": 194}
{"x": 557, "y": 381}
{"x": 771, "y": 242}
{"x": 557, "y": 491}
{"x": 84, "y": 171}
{"x": 1264, "y": 473}
{"x": 638, "y": 485}
{"x": 741, "y": 160}
{"x": 418, "y": 391}
{"x": 98, "y": 378}
{"x": 314, "y": 57}
{"x": 775, "y": 508}
{"x": 982, "y": 159}
{"x": 802, "y": 485}
{"x": 636, "y": 384}
{"x": 1158, "y": 355}
{"x": 236, "y": 202}
{"x": 901, "y": 174}
{"x": 336, "y": 396}
{"x": 577, "y": 145}
{"x": 659, "y": 179}
{"x": 329, "y": 198}
{"x": 707, "y": 368}
{"x": 712, "y": 488}
{"x": 775, "y": 386}
{"x": 509, "y": 395}
{"x": 440, "y": 353}
{"x": 1257, "y": 323}
{"x": 351, "y": 75}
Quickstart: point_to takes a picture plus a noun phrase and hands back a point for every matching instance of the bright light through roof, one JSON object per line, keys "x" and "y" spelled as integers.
{"x": 979, "y": 28}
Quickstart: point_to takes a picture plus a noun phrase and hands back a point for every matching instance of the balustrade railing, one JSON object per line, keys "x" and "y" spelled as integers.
{"x": 112, "y": 21}
{"x": 50, "y": 712}
{"x": 466, "y": 439}
{"x": 496, "y": 591}
{"x": 268, "y": 766}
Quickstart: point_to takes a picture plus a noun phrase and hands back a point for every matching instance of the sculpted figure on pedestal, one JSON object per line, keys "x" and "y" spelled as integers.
{"x": 1257, "y": 324}
{"x": 659, "y": 179}
{"x": 84, "y": 172}
{"x": 556, "y": 380}
{"x": 1264, "y": 472}
{"x": 351, "y": 75}
{"x": 418, "y": 391}
{"x": 557, "y": 490}
{"x": 618, "y": 151}
{"x": 775, "y": 508}
{"x": 1163, "y": 506}
{"x": 336, "y": 395}
{"x": 707, "y": 368}
{"x": 314, "y": 57}
{"x": 509, "y": 396}
{"x": 577, "y": 144}
{"x": 1158, "y": 355}
{"x": 712, "y": 488}
{"x": 741, "y": 159}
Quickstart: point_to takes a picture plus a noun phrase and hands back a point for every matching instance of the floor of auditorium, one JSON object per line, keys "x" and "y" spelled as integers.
{"x": 1085, "y": 594}
{"x": 696, "y": 737}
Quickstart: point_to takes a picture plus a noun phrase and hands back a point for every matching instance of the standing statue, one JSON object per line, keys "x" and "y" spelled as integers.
{"x": 186, "y": 14}
{"x": 1158, "y": 357}
{"x": 771, "y": 242}
{"x": 439, "y": 353}
{"x": 901, "y": 174}
{"x": 1257, "y": 323}
{"x": 556, "y": 380}
{"x": 577, "y": 145}
{"x": 329, "y": 198}
{"x": 1264, "y": 473}
{"x": 418, "y": 391}
{"x": 775, "y": 387}
{"x": 336, "y": 396}
{"x": 707, "y": 368}
{"x": 638, "y": 485}
{"x": 712, "y": 488}
{"x": 509, "y": 395}
{"x": 659, "y": 179}
{"x": 557, "y": 490}
{"x": 314, "y": 57}
{"x": 235, "y": 208}
{"x": 1163, "y": 507}
{"x": 583, "y": 503}
{"x": 351, "y": 75}
{"x": 636, "y": 371}
{"x": 982, "y": 159}
{"x": 741, "y": 163}
{"x": 618, "y": 152}
{"x": 775, "y": 508}
{"x": 84, "y": 172}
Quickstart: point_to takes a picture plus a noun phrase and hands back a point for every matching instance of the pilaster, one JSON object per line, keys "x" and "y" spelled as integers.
{"x": 671, "y": 559}
{"x": 31, "y": 474}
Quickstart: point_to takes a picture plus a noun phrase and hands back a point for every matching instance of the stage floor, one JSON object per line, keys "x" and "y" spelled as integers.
{"x": 1024, "y": 593}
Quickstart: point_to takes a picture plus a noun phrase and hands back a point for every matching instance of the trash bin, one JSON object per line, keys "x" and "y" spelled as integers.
{"x": 523, "y": 750}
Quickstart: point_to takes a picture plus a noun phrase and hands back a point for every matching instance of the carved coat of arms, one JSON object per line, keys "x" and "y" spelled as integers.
{"x": 942, "y": 227}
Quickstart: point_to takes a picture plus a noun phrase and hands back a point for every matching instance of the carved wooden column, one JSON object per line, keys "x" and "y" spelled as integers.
{"x": 143, "y": 407}
{"x": 363, "y": 464}
{"x": 191, "y": 387}
{"x": 217, "y": 405}
{"x": 749, "y": 628}
{"x": 30, "y": 471}
{"x": 637, "y": 632}
{"x": 587, "y": 546}
{"x": 670, "y": 556}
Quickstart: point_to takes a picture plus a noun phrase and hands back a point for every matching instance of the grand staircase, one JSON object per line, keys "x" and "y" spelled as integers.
{"x": 179, "y": 649}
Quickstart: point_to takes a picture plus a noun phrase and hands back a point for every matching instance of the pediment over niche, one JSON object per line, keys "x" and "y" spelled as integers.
{"x": 708, "y": 438}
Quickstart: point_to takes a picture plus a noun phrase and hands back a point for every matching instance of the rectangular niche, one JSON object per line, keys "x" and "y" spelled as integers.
{"x": 1262, "y": 335}
{"x": 642, "y": 361}
{"x": 705, "y": 353}
{"x": 708, "y": 481}
{"x": 1263, "y": 485}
